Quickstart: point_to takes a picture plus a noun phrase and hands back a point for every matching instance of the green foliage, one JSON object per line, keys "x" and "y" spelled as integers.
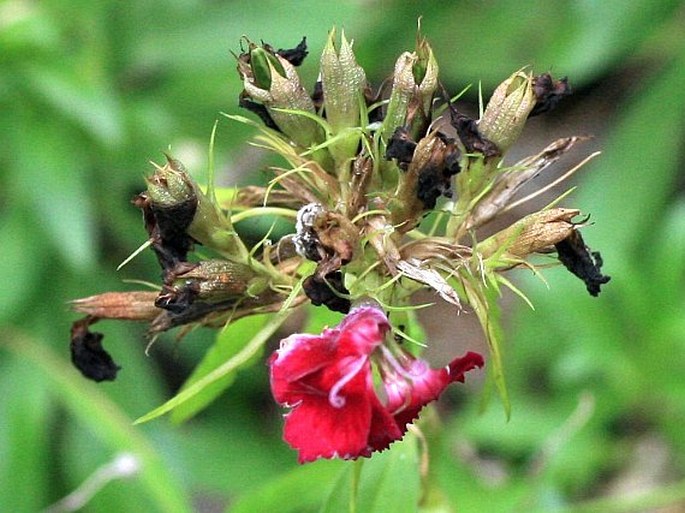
{"x": 91, "y": 91}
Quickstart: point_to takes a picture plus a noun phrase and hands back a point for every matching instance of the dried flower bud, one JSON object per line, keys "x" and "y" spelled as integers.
{"x": 535, "y": 232}
{"x": 210, "y": 282}
{"x": 128, "y": 306}
{"x": 218, "y": 280}
{"x": 169, "y": 207}
{"x": 508, "y": 110}
{"x": 429, "y": 175}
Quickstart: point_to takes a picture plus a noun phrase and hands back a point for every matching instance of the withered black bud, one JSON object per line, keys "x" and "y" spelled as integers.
{"x": 167, "y": 232}
{"x": 296, "y": 55}
{"x": 169, "y": 207}
{"x": 467, "y": 130}
{"x": 258, "y": 109}
{"x": 431, "y": 185}
{"x": 586, "y": 265}
{"x": 548, "y": 93}
{"x": 401, "y": 147}
{"x": 88, "y": 355}
{"x": 328, "y": 291}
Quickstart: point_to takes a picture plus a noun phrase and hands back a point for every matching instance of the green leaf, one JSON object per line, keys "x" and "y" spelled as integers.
{"x": 227, "y": 368}
{"x": 52, "y": 182}
{"x": 95, "y": 410}
{"x": 304, "y": 487}
{"x": 387, "y": 482}
{"x": 390, "y": 480}
{"x": 341, "y": 494}
{"x": 87, "y": 103}
{"x": 229, "y": 342}
{"x": 25, "y": 437}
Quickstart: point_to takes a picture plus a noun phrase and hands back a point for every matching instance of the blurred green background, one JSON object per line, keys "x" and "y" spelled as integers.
{"x": 91, "y": 91}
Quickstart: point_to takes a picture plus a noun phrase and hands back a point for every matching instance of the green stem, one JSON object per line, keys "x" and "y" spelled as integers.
{"x": 263, "y": 211}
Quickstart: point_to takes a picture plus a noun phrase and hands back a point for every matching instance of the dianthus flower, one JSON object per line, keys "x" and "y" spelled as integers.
{"x": 328, "y": 383}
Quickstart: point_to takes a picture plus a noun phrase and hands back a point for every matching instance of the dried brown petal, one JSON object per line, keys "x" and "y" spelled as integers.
{"x": 296, "y": 55}
{"x": 578, "y": 259}
{"x": 470, "y": 136}
{"x": 88, "y": 355}
{"x": 548, "y": 93}
{"x": 328, "y": 291}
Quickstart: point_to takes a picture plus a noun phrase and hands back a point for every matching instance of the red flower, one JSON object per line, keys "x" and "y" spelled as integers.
{"x": 328, "y": 383}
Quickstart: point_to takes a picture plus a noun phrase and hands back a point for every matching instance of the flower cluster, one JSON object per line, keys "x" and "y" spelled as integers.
{"x": 388, "y": 192}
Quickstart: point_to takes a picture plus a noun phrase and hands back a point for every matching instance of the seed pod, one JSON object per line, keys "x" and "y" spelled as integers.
{"x": 415, "y": 81}
{"x": 169, "y": 206}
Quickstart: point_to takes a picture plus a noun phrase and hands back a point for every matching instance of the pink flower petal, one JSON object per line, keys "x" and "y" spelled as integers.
{"x": 319, "y": 429}
{"x": 362, "y": 330}
{"x": 406, "y": 399}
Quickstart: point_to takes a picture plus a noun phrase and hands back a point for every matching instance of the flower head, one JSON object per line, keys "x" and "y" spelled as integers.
{"x": 391, "y": 191}
{"x": 328, "y": 383}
